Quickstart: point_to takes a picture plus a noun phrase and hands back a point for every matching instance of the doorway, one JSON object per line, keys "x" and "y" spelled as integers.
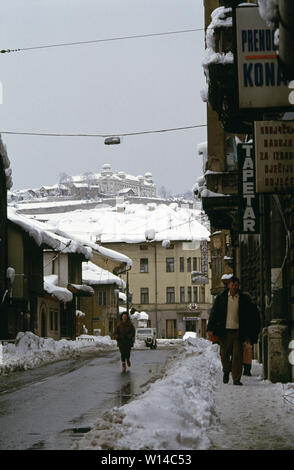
{"x": 171, "y": 329}
{"x": 43, "y": 321}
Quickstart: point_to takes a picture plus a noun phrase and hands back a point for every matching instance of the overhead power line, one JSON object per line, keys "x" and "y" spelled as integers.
{"x": 96, "y": 41}
{"x": 120, "y": 134}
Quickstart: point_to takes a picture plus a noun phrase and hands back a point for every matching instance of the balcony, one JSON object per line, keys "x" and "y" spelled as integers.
{"x": 222, "y": 210}
{"x": 223, "y": 99}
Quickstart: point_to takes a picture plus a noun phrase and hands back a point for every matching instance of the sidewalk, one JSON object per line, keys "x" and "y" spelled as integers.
{"x": 255, "y": 416}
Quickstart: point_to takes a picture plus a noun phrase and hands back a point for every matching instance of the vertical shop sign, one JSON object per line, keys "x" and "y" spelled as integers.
{"x": 248, "y": 199}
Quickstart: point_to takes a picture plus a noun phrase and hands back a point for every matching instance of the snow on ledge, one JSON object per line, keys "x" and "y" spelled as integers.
{"x": 61, "y": 293}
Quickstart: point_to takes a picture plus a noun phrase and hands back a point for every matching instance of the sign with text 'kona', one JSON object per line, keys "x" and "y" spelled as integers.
{"x": 274, "y": 150}
{"x": 261, "y": 83}
{"x": 248, "y": 199}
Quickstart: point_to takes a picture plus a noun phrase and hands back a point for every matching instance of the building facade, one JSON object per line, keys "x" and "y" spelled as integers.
{"x": 113, "y": 183}
{"x": 161, "y": 284}
{"x": 262, "y": 258}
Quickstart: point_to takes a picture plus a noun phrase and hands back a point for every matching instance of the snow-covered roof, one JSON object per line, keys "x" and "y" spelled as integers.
{"x": 166, "y": 222}
{"x": 6, "y": 164}
{"x": 94, "y": 275}
{"x": 43, "y": 234}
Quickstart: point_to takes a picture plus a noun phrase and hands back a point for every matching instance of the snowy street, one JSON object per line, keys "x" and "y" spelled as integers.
{"x": 50, "y": 407}
{"x": 172, "y": 398}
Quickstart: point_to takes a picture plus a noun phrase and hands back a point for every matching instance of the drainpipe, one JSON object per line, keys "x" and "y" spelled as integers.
{"x": 127, "y": 291}
{"x": 156, "y": 288}
{"x": 286, "y": 37}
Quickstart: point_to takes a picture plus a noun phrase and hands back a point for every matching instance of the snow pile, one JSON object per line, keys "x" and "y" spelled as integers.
{"x": 220, "y": 18}
{"x": 30, "y": 351}
{"x": 189, "y": 334}
{"x": 174, "y": 413}
{"x": 268, "y": 10}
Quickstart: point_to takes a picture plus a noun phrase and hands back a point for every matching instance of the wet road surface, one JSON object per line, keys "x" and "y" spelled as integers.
{"x": 52, "y": 406}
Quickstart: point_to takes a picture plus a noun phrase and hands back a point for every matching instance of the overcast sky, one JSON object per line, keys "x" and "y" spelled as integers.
{"x": 104, "y": 88}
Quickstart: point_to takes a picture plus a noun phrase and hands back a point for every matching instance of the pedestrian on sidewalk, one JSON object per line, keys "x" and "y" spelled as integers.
{"x": 235, "y": 320}
{"x": 125, "y": 337}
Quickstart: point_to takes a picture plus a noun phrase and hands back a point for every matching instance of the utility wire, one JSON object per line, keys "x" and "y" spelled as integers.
{"x": 96, "y": 41}
{"x": 123, "y": 134}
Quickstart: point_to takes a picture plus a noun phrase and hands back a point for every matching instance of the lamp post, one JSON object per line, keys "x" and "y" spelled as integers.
{"x": 150, "y": 237}
{"x": 127, "y": 292}
{"x": 116, "y": 291}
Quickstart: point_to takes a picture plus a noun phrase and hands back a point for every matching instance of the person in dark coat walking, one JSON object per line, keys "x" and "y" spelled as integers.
{"x": 125, "y": 337}
{"x": 235, "y": 320}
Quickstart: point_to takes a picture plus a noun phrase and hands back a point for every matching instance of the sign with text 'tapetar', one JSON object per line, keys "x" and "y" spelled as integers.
{"x": 261, "y": 84}
{"x": 248, "y": 199}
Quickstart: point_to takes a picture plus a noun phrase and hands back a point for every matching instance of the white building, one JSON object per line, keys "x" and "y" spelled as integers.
{"x": 116, "y": 183}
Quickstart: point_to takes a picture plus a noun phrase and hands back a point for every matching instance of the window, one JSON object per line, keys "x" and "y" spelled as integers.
{"x": 182, "y": 294}
{"x": 144, "y": 265}
{"x": 189, "y": 265}
{"x": 182, "y": 265}
{"x": 170, "y": 265}
{"x": 144, "y": 295}
{"x": 195, "y": 294}
{"x": 189, "y": 294}
{"x": 170, "y": 295}
{"x": 194, "y": 264}
{"x": 170, "y": 247}
{"x": 202, "y": 294}
{"x": 51, "y": 320}
{"x": 102, "y": 297}
{"x": 56, "y": 320}
{"x": 143, "y": 247}
{"x": 217, "y": 262}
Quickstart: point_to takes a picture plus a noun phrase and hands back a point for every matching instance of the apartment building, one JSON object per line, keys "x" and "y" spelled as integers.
{"x": 160, "y": 284}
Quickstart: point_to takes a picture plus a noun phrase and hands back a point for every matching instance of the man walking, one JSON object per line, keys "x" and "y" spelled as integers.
{"x": 235, "y": 320}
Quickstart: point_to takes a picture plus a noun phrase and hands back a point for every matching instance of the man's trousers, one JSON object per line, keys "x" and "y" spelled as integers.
{"x": 231, "y": 353}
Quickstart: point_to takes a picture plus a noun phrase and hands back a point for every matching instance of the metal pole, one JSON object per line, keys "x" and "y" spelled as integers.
{"x": 128, "y": 292}
{"x": 156, "y": 292}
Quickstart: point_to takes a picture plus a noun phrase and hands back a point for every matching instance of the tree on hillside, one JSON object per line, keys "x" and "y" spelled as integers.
{"x": 66, "y": 180}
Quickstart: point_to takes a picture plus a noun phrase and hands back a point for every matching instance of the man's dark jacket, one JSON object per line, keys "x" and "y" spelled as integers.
{"x": 249, "y": 321}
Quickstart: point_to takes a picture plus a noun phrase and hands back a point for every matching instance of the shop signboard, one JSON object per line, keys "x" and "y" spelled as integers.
{"x": 261, "y": 84}
{"x": 274, "y": 150}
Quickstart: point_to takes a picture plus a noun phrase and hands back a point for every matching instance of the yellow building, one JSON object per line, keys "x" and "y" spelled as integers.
{"x": 160, "y": 284}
